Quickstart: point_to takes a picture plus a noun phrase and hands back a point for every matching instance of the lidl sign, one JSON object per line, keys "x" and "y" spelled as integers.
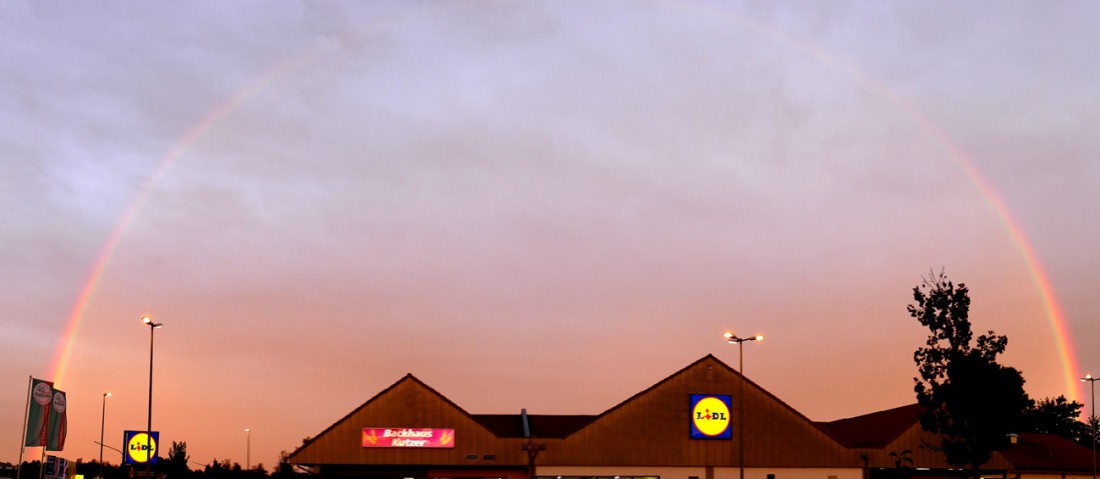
{"x": 710, "y": 416}
{"x": 140, "y": 447}
{"x": 408, "y": 437}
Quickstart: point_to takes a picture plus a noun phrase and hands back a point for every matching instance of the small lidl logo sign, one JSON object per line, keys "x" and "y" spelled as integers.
{"x": 710, "y": 416}
{"x": 140, "y": 447}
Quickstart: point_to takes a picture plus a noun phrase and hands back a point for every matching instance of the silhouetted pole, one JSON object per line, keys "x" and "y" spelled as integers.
{"x": 1092, "y": 420}
{"x": 149, "y": 425}
{"x": 102, "y": 421}
{"x": 533, "y": 449}
{"x": 733, "y": 339}
{"x": 247, "y": 449}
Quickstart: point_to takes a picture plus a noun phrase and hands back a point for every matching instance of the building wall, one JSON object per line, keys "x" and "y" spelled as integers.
{"x": 410, "y": 404}
{"x": 921, "y": 446}
{"x": 699, "y": 472}
{"x": 1032, "y": 475}
{"x": 653, "y": 429}
{"x": 620, "y": 471}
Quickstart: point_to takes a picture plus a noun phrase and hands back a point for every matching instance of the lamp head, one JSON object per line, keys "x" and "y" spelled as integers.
{"x": 107, "y": 394}
{"x": 149, "y": 321}
{"x": 1088, "y": 377}
{"x": 759, "y": 337}
{"x": 728, "y": 335}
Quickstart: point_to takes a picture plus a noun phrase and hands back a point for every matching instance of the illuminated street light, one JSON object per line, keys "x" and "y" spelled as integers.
{"x": 733, "y": 339}
{"x": 1092, "y": 420}
{"x": 102, "y": 421}
{"x": 149, "y": 425}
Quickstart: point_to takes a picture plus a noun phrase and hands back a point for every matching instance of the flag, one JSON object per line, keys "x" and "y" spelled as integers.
{"x": 58, "y": 422}
{"x": 38, "y": 412}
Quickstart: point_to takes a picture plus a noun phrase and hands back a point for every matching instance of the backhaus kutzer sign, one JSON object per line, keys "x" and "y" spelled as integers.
{"x": 408, "y": 437}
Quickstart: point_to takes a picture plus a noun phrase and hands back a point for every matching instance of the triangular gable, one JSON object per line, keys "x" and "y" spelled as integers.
{"x": 653, "y": 427}
{"x": 711, "y": 360}
{"x": 408, "y": 403}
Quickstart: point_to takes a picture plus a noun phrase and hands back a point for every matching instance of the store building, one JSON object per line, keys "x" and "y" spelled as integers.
{"x": 894, "y": 445}
{"x": 684, "y": 427}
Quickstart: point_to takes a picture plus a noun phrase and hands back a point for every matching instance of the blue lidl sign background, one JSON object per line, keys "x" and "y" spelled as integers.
{"x": 711, "y": 416}
{"x": 140, "y": 448}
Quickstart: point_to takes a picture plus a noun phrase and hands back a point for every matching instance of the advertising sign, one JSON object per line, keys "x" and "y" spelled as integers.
{"x": 408, "y": 437}
{"x": 710, "y": 416}
{"x": 140, "y": 448}
{"x": 56, "y": 468}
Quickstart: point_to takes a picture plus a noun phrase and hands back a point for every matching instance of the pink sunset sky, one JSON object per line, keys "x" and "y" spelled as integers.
{"x": 539, "y": 204}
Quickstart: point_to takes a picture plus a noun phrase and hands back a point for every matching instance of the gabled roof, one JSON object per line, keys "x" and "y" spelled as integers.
{"x": 541, "y": 425}
{"x": 1032, "y": 452}
{"x": 708, "y": 357}
{"x": 407, "y": 378}
{"x": 1048, "y": 452}
{"x": 873, "y": 430}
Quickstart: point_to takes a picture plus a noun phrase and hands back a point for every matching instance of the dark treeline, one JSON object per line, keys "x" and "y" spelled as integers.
{"x": 176, "y": 466}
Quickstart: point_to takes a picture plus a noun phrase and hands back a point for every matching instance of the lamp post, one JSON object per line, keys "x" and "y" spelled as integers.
{"x": 102, "y": 421}
{"x": 248, "y": 449}
{"x": 733, "y": 339}
{"x": 1092, "y": 420}
{"x": 149, "y": 425}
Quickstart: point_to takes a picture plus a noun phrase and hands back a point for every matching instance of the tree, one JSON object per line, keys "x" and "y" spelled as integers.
{"x": 284, "y": 470}
{"x": 1058, "y": 416}
{"x": 903, "y": 463}
{"x": 176, "y": 466}
{"x": 969, "y": 399}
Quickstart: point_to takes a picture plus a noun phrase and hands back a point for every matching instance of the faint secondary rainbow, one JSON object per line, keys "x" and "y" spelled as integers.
{"x": 1055, "y": 317}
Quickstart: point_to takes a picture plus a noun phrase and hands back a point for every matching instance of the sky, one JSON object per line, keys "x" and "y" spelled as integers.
{"x": 529, "y": 204}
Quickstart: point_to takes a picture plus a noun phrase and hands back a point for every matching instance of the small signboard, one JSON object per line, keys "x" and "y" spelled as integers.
{"x": 710, "y": 416}
{"x": 56, "y": 468}
{"x": 408, "y": 437}
{"x": 141, "y": 447}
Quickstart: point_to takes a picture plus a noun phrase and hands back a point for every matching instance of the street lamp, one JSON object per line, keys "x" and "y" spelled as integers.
{"x": 733, "y": 339}
{"x": 1092, "y": 420}
{"x": 102, "y": 421}
{"x": 149, "y": 425}
{"x": 248, "y": 449}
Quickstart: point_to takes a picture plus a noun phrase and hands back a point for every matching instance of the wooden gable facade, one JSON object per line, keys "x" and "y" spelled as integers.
{"x": 652, "y": 429}
{"x": 649, "y": 430}
{"x": 410, "y": 403}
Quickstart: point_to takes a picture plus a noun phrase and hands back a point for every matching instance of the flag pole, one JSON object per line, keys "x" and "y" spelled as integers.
{"x": 23, "y": 434}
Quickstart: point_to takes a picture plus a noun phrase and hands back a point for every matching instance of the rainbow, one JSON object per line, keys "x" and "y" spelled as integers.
{"x": 1055, "y": 317}
{"x": 1056, "y": 320}
{"x": 59, "y": 366}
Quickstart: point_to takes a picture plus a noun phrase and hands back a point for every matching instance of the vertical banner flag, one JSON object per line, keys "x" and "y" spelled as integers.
{"x": 38, "y": 413}
{"x": 58, "y": 422}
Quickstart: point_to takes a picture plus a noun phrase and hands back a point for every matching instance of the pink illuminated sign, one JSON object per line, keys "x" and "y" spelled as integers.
{"x": 408, "y": 437}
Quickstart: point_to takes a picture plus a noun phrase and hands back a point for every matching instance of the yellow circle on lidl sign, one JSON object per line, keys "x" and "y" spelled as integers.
{"x": 711, "y": 416}
{"x": 141, "y": 447}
